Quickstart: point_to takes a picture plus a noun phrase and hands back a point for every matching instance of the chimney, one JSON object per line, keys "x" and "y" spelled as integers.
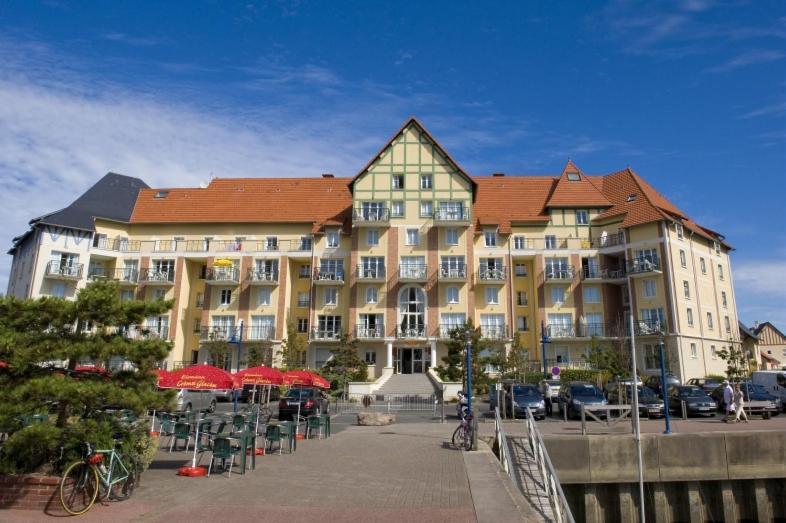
{"x": 328, "y": 175}
{"x": 498, "y": 174}
{"x": 756, "y": 324}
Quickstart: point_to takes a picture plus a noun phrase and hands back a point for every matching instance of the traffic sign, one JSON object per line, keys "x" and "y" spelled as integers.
{"x": 555, "y": 371}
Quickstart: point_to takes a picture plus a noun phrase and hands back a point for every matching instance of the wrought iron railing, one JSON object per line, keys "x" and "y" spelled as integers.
{"x": 64, "y": 270}
{"x": 563, "y": 273}
{"x": 332, "y": 275}
{"x": 371, "y": 272}
{"x": 413, "y": 272}
{"x": 453, "y": 272}
{"x": 326, "y": 334}
{"x": 452, "y": 215}
{"x": 411, "y": 332}
{"x": 262, "y": 275}
{"x": 157, "y": 276}
{"x": 375, "y": 332}
{"x": 642, "y": 265}
{"x": 260, "y": 332}
{"x": 494, "y": 332}
{"x": 492, "y": 273}
{"x": 374, "y": 215}
{"x": 222, "y": 274}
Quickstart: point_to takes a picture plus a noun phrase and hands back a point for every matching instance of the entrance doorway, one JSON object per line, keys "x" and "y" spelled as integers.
{"x": 412, "y": 361}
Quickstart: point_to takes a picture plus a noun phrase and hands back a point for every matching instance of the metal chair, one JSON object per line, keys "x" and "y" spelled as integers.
{"x": 182, "y": 431}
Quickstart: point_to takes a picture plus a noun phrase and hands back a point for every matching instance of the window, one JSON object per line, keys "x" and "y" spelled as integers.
{"x": 713, "y": 352}
{"x": 302, "y": 299}
{"x": 263, "y": 297}
{"x": 426, "y": 181}
{"x": 452, "y": 295}
{"x": 492, "y": 295}
{"x": 451, "y": 236}
{"x": 716, "y": 246}
{"x": 328, "y": 326}
{"x": 372, "y": 237}
{"x": 305, "y": 243}
{"x": 653, "y": 321}
{"x": 99, "y": 240}
{"x": 561, "y": 325}
{"x": 159, "y": 294}
{"x": 413, "y": 237}
{"x": 226, "y": 297}
{"x": 302, "y": 324}
{"x": 371, "y": 357}
{"x": 412, "y": 267}
{"x": 727, "y": 323}
{"x": 304, "y": 271}
{"x": 693, "y": 352}
{"x": 558, "y": 294}
{"x": 723, "y": 300}
{"x": 550, "y": 241}
{"x": 686, "y": 289}
{"x": 519, "y": 242}
{"x": 521, "y": 298}
{"x": 492, "y": 325}
{"x": 683, "y": 261}
{"x": 573, "y": 177}
{"x": 690, "y": 316}
{"x": 651, "y": 356}
{"x": 649, "y": 288}
{"x": 397, "y": 181}
{"x": 703, "y": 266}
{"x": 521, "y": 269}
{"x": 582, "y": 218}
{"x": 412, "y": 312}
{"x": 372, "y": 267}
{"x": 452, "y": 211}
{"x": 452, "y": 267}
{"x": 333, "y": 238}
{"x": 124, "y": 295}
{"x": 490, "y": 236}
{"x": 271, "y": 243}
{"x": 371, "y": 295}
{"x": 397, "y": 209}
{"x": 709, "y": 320}
{"x": 331, "y": 296}
{"x": 720, "y": 271}
{"x": 521, "y": 324}
{"x": 631, "y": 198}
{"x": 262, "y": 328}
{"x": 680, "y": 232}
{"x": 426, "y": 209}
{"x": 591, "y": 295}
{"x": 59, "y": 289}
{"x": 331, "y": 269}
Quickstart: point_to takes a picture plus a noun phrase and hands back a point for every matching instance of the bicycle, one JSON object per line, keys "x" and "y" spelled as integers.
{"x": 462, "y": 436}
{"x": 89, "y": 478}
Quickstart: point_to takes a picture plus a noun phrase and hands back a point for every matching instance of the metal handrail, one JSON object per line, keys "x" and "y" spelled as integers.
{"x": 551, "y": 484}
{"x": 502, "y": 444}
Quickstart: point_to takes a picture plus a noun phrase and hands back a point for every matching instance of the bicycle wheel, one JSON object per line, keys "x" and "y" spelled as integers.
{"x": 468, "y": 437}
{"x": 78, "y": 488}
{"x": 458, "y": 436}
{"x": 123, "y": 489}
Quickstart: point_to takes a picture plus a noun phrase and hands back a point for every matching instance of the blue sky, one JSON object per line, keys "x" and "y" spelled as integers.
{"x": 691, "y": 94}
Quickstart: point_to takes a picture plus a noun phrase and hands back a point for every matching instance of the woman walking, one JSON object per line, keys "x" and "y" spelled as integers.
{"x": 739, "y": 403}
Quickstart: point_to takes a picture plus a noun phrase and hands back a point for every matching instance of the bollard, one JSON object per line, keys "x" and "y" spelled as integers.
{"x": 564, "y": 412}
{"x": 583, "y": 421}
{"x": 684, "y": 411}
{"x": 442, "y": 416}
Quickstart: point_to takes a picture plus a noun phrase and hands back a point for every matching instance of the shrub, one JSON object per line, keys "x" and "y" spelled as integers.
{"x": 594, "y": 376}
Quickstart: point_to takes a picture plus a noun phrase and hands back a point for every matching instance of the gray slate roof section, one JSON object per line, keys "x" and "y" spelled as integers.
{"x": 112, "y": 197}
{"x": 746, "y": 331}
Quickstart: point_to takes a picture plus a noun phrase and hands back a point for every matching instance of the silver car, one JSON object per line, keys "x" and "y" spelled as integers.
{"x": 189, "y": 399}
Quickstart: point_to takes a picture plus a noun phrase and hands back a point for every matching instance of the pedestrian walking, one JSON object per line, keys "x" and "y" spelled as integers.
{"x": 739, "y": 404}
{"x": 728, "y": 400}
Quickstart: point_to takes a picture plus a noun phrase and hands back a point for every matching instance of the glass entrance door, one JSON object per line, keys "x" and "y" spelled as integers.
{"x": 411, "y": 361}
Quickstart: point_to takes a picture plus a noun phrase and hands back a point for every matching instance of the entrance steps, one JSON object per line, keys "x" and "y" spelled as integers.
{"x": 412, "y": 384}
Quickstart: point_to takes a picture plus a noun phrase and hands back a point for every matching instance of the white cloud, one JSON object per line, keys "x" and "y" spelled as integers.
{"x": 759, "y": 56}
{"x": 763, "y": 278}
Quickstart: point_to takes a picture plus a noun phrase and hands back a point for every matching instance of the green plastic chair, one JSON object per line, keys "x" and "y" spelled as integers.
{"x": 182, "y": 431}
{"x": 273, "y": 433}
{"x": 223, "y": 450}
{"x": 238, "y": 423}
{"x": 313, "y": 423}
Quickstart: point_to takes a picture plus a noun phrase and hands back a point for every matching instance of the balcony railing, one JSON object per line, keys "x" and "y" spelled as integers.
{"x": 564, "y": 273}
{"x": 496, "y": 273}
{"x": 331, "y": 275}
{"x": 260, "y": 332}
{"x": 611, "y": 240}
{"x": 210, "y": 246}
{"x": 69, "y": 271}
{"x": 146, "y": 332}
{"x": 494, "y": 332}
{"x": 303, "y": 303}
{"x": 453, "y": 272}
{"x": 452, "y": 215}
{"x": 368, "y": 333}
{"x": 117, "y": 244}
{"x": 157, "y": 276}
{"x": 560, "y": 331}
{"x": 446, "y": 328}
{"x": 642, "y": 265}
{"x": 647, "y": 327}
{"x": 613, "y": 273}
{"x": 325, "y": 334}
{"x": 262, "y": 276}
{"x": 128, "y": 275}
{"x": 413, "y": 272}
{"x": 222, "y": 275}
{"x": 591, "y": 273}
{"x": 588, "y": 330}
{"x": 410, "y": 332}
{"x": 374, "y": 216}
{"x": 218, "y": 333}
{"x": 375, "y": 272}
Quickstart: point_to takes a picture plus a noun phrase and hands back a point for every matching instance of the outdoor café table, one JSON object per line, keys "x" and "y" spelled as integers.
{"x": 247, "y": 440}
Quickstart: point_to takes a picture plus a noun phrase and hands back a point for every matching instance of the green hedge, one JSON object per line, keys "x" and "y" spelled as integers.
{"x": 598, "y": 377}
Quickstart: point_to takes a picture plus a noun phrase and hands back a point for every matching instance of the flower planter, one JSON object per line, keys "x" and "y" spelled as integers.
{"x": 31, "y": 492}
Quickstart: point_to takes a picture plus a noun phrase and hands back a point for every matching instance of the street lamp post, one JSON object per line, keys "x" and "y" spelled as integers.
{"x": 544, "y": 339}
{"x": 468, "y": 365}
{"x": 663, "y": 387}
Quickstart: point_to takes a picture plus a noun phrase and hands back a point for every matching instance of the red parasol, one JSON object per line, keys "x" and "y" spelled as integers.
{"x": 198, "y": 377}
{"x": 260, "y": 376}
{"x": 163, "y": 375}
{"x": 305, "y": 377}
{"x": 3, "y": 364}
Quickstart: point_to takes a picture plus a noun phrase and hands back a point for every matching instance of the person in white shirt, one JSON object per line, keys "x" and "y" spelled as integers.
{"x": 728, "y": 401}
{"x": 739, "y": 403}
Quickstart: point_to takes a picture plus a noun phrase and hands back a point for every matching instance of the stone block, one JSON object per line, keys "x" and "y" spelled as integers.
{"x": 613, "y": 458}
{"x": 687, "y": 457}
{"x": 570, "y": 457}
{"x": 754, "y": 455}
{"x": 375, "y": 419}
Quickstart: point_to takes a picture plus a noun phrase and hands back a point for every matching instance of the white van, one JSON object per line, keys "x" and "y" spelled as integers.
{"x": 773, "y": 381}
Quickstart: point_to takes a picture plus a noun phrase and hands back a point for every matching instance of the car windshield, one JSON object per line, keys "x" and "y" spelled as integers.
{"x": 647, "y": 394}
{"x": 691, "y": 391}
{"x": 753, "y": 388}
{"x": 553, "y": 383}
{"x": 298, "y": 393}
{"x": 525, "y": 390}
{"x": 584, "y": 390}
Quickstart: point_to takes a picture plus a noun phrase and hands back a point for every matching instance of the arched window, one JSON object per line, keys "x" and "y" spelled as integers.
{"x": 412, "y": 312}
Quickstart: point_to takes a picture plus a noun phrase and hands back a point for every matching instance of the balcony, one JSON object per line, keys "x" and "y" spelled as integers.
{"x": 452, "y": 217}
{"x": 413, "y": 273}
{"x": 610, "y": 241}
{"x": 116, "y": 244}
{"x": 410, "y": 333}
{"x": 643, "y": 266}
{"x": 146, "y": 332}
{"x": 446, "y": 328}
{"x": 559, "y": 274}
{"x": 488, "y": 274}
{"x": 126, "y": 276}
{"x": 325, "y": 334}
{"x": 328, "y": 277}
{"x": 590, "y": 330}
{"x": 218, "y": 333}
{"x": 157, "y": 276}
{"x": 614, "y": 274}
{"x": 222, "y": 276}
{"x": 453, "y": 273}
{"x": 303, "y": 304}
{"x": 63, "y": 271}
{"x": 560, "y": 331}
{"x": 376, "y": 217}
{"x": 494, "y": 332}
{"x": 262, "y": 277}
{"x": 647, "y": 328}
{"x": 370, "y": 333}
{"x": 371, "y": 273}
{"x": 260, "y": 332}
{"x": 591, "y": 273}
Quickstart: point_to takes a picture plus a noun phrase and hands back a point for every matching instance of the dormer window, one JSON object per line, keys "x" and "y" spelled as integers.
{"x": 574, "y": 177}
{"x": 680, "y": 231}
{"x": 631, "y": 197}
{"x": 161, "y": 194}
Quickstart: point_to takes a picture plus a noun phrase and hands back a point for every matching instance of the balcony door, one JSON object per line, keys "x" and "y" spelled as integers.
{"x": 373, "y": 211}
{"x": 412, "y": 312}
{"x": 412, "y": 361}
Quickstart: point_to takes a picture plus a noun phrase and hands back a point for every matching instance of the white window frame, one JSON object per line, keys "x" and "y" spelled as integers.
{"x": 582, "y": 217}
{"x": 650, "y": 288}
{"x": 703, "y": 265}
{"x": 492, "y": 295}
{"x": 490, "y": 237}
{"x": 680, "y": 231}
{"x": 397, "y": 209}
{"x": 263, "y": 297}
{"x": 225, "y": 297}
{"x": 410, "y": 240}
{"x": 720, "y": 272}
{"x": 689, "y": 314}
{"x": 372, "y": 294}
{"x": 710, "y": 323}
{"x": 595, "y": 294}
{"x": 426, "y": 181}
{"x": 686, "y": 289}
{"x": 330, "y": 297}
{"x": 426, "y": 208}
{"x": 519, "y": 242}
{"x": 683, "y": 259}
{"x": 451, "y": 232}
{"x": 372, "y": 237}
{"x": 555, "y": 289}
{"x": 333, "y": 238}
{"x": 452, "y": 295}
{"x": 694, "y": 353}
{"x": 397, "y": 182}
{"x": 523, "y": 273}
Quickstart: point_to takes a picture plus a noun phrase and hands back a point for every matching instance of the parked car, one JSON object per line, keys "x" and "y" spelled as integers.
{"x": 223, "y": 394}
{"x": 653, "y": 382}
{"x": 505, "y": 386}
{"x": 550, "y": 391}
{"x": 650, "y": 405}
{"x": 574, "y": 394}
{"x": 697, "y": 402}
{"x": 755, "y": 396}
{"x": 708, "y": 384}
{"x": 188, "y": 399}
{"x": 247, "y": 391}
{"x": 773, "y": 381}
{"x": 311, "y": 400}
{"x": 522, "y": 396}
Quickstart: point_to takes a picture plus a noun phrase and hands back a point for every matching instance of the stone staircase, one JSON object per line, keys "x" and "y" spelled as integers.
{"x": 410, "y": 384}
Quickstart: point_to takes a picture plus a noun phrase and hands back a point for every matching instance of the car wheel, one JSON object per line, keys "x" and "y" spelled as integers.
{"x": 212, "y": 407}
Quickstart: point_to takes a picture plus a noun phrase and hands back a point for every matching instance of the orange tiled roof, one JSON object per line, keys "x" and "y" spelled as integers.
{"x": 502, "y": 200}
{"x": 576, "y": 193}
{"x": 319, "y": 201}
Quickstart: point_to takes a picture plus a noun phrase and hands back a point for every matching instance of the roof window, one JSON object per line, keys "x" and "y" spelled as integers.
{"x": 574, "y": 177}
{"x": 631, "y": 197}
{"x": 161, "y": 194}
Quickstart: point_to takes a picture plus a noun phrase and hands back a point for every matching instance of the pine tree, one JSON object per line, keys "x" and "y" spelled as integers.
{"x": 455, "y": 360}
{"x": 293, "y": 349}
{"x": 345, "y": 365}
